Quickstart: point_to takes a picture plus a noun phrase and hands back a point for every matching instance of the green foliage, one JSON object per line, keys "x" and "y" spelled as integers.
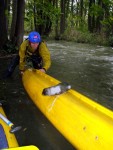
{"x": 110, "y": 41}
{"x": 95, "y": 10}
{"x": 43, "y": 10}
{"x": 77, "y": 22}
{"x": 78, "y": 36}
{"x": 50, "y": 11}
{"x": 29, "y": 18}
{"x": 107, "y": 24}
{"x": 10, "y": 48}
{"x": 6, "y": 13}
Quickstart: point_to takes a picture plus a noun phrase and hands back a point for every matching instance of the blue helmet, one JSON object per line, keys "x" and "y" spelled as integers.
{"x": 34, "y": 37}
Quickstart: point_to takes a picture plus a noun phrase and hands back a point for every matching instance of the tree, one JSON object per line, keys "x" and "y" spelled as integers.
{"x": 62, "y": 19}
{"x": 58, "y": 16}
{"x": 7, "y": 13}
{"x": 17, "y": 28}
{"x": 91, "y": 16}
{"x": 3, "y": 25}
{"x": 13, "y": 24}
{"x": 19, "y": 32}
{"x": 56, "y": 22}
{"x": 100, "y": 16}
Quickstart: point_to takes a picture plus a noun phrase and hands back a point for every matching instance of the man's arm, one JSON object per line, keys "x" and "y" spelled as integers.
{"x": 45, "y": 54}
{"x": 22, "y": 50}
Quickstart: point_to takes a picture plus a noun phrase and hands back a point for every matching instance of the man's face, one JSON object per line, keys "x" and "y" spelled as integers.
{"x": 34, "y": 45}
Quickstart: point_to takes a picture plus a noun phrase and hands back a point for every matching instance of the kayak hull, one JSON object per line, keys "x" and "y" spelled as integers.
{"x": 83, "y": 122}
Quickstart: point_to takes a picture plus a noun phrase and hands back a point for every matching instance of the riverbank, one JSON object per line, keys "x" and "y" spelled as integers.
{"x": 84, "y": 37}
{"x": 68, "y": 36}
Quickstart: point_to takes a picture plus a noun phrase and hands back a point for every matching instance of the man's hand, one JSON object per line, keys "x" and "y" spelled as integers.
{"x": 21, "y": 72}
{"x": 42, "y": 70}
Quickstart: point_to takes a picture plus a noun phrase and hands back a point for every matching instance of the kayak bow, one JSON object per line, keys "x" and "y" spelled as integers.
{"x": 83, "y": 122}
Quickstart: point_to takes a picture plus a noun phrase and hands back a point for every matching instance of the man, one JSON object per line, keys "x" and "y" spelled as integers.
{"x": 31, "y": 50}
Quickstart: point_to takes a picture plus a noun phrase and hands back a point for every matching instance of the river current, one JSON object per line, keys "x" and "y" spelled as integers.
{"x": 88, "y": 68}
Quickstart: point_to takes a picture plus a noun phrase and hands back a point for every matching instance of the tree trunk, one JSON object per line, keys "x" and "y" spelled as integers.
{"x": 13, "y": 24}
{"x": 47, "y": 26}
{"x": 77, "y": 13}
{"x": 34, "y": 13}
{"x": 3, "y": 27}
{"x": 81, "y": 11}
{"x": 91, "y": 19}
{"x": 39, "y": 13}
{"x": 19, "y": 32}
{"x": 56, "y": 26}
{"x": 62, "y": 19}
{"x": 72, "y": 8}
{"x": 7, "y": 11}
{"x": 108, "y": 28}
{"x": 99, "y": 18}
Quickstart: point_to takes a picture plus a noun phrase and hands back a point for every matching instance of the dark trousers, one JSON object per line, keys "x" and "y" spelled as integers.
{"x": 36, "y": 61}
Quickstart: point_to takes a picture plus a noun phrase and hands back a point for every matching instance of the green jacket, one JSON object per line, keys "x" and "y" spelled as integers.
{"x": 25, "y": 50}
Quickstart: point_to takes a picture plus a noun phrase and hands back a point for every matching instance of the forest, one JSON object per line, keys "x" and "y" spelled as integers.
{"x": 85, "y": 21}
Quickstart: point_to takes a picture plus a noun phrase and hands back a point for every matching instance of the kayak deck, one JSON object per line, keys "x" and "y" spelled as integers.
{"x": 83, "y": 122}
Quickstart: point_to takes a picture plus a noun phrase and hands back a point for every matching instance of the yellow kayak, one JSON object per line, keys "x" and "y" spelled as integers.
{"x": 83, "y": 122}
{"x": 31, "y": 147}
{"x": 7, "y": 139}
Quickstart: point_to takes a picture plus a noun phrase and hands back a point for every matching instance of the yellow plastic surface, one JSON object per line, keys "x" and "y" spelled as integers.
{"x": 24, "y": 148}
{"x": 83, "y": 122}
{"x": 12, "y": 142}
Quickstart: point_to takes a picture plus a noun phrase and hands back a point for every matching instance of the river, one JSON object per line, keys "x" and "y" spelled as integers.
{"x": 89, "y": 70}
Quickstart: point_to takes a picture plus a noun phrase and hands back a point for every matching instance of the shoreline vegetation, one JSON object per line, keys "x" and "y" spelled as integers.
{"x": 79, "y": 21}
{"x": 84, "y": 37}
{"x": 69, "y": 35}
